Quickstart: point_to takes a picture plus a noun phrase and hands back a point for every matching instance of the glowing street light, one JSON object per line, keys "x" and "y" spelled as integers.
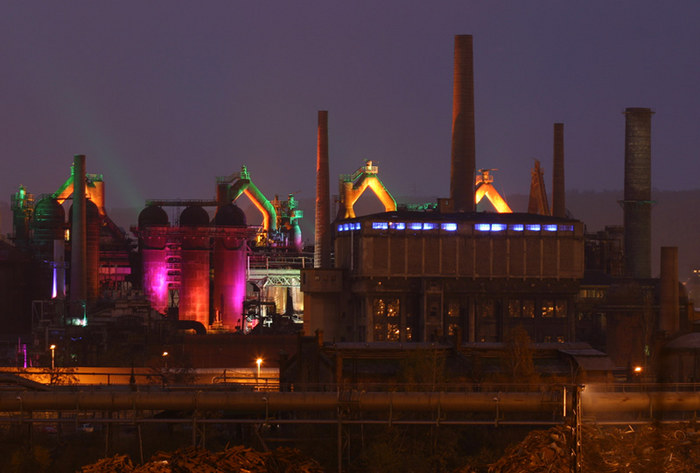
{"x": 165, "y": 359}
{"x": 259, "y": 363}
{"x": 53, "y": 356}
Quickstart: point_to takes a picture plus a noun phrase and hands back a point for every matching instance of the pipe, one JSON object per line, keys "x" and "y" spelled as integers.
{"x": 264, "y": 401}
{"x": 322, "y": 243}
{"x": 558, "y": 186}
{"x": 78, "y": 236}
{"x": 463, "y": 165}
{"x": 637, "y": 197}
{"x": 669, "y": 320}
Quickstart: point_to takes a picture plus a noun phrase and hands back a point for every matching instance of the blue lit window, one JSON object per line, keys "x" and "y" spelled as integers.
{"x": 429, "y": 226}
{"x": 415, "y": 226}
{"x": 482, "y": 227}
{"x": 533, "y": 228}
{"x": 518, "y": 227}
{"x": 550, "y": 228}
{"x": 498, "y": 227}
{"x": 357, "y": 226}
{"x": 380, "y": 226}
{"x": 566, "y": 228}
{"x": 397, "y": 225}
{"x": 449, "y": 227}
{"x": 340, "y": 227}
{"x": 346, "y": 226}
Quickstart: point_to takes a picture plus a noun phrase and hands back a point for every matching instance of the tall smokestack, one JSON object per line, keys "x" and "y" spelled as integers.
{"x": 637, "y": 199}
{"x": 669, "y": 320}
{"x": 322, "y": 240}
{"x": 463, "y": 141}
{"x": 558, "y": 187}
{"x": 78, "y": 237}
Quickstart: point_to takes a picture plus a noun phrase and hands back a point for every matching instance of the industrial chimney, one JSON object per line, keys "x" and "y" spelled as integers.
{"x": 322, "y": 240}
{"x": 637, "y": 198}
{"x": 669, "y": 320}
{"x": 78, "y": 238}
{"x": 558, "y": 187}
{"x": 463, "y": 141}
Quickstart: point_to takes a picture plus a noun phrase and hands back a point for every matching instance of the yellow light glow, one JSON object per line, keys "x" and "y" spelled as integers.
{"x": 637, "y": 369}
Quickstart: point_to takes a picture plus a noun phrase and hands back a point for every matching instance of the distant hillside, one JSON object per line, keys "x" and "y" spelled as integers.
{"x": 674, "y": 218}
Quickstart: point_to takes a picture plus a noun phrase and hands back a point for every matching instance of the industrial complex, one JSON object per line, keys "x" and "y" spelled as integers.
{"x": 465, "y": 274}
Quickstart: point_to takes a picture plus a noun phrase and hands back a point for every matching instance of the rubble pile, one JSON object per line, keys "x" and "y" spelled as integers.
{"x": 234, "y": 459}
{"x": 671, "y": 448}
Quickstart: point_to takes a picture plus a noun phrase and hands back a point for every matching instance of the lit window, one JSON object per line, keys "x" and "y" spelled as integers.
{"x": 498, "y": 227}
{"x": 449, "y": 227}
{"x": 518, "y": 227}
{"x": 429, "y": 226}
{"x": 380, "y": 226}
{"x": 566, "y": 228}
{"x": 398, "y": 225}
{"x": 356, "y": 226}
{"x": 415, "y": 226}
{"x": 346, "y": 227}
{"x": 340, "y": 227}
{"x": 482, "y": 227}
{"x": 533, "y": 228}
{"x": 550, "y": 228}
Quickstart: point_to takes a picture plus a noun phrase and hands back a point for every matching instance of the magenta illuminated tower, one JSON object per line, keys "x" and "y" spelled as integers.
{"x": 153, "y": 239}
{"x": 230, "y": 252}
{"x": 194, "y": 263}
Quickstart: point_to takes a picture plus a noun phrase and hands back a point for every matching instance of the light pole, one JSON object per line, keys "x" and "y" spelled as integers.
{"x": 53, "y": 356}
{"x": 259, "y": 363}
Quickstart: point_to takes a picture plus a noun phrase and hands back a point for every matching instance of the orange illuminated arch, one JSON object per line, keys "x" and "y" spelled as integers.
{"x": 355, "y": 186}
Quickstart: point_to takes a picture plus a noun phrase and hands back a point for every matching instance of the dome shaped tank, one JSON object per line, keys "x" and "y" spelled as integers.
{"x": 194, "y": 216}
{"x": 229, "y": 215}
{"x": 153, "y": 216}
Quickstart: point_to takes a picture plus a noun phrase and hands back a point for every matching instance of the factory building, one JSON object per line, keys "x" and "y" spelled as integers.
{"x": 428, "y": 276}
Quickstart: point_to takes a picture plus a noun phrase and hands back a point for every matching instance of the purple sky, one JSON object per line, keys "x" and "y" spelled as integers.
{"x": 163, "y": 96}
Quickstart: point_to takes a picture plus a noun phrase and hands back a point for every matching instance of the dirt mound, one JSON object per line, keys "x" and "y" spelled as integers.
{"x": 671, "y": 448}
{"x": 235, "y": 459}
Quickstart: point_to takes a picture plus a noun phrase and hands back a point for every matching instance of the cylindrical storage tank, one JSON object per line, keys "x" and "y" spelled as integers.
{"x": 194, "y": 265}
{"x": 229, "y": 268}
{"x": 153, "y": 223}
{"x": 93, "y": 227}
{"x": 48, "y": 226}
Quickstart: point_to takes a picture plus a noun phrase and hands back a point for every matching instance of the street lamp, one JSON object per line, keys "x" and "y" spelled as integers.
{"x": 165, "y": 359}
{"x": 259, "y": 363}
{"x": 53, "y": 356}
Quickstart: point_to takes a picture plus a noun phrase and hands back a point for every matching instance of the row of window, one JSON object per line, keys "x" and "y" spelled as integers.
{"x": 452, "y": 227}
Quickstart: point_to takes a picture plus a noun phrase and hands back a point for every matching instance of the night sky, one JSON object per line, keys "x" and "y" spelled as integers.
{"x": 164, "y": 96}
